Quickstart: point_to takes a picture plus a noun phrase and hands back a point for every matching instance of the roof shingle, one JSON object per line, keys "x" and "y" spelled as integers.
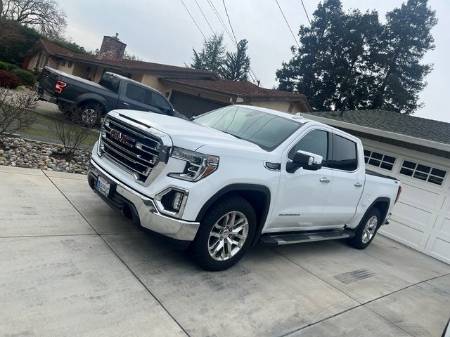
{"x": 394, "y": 122}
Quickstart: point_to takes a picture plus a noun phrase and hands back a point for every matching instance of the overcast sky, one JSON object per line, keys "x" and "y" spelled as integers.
{"x": 161, "y": 31}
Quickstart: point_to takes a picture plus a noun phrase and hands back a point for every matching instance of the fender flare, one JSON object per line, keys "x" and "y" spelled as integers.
{"x": 90, "y": 97}
{"x": 377, "y": 200}
{"x": 241, "y": 188}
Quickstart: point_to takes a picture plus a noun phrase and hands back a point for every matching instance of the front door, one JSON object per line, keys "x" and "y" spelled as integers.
{"x": 303, "y": 195}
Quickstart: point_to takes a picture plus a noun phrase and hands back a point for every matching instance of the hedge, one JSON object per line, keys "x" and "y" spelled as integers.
{"x": 26, "y": 78}
{"x": 8, "y": 80}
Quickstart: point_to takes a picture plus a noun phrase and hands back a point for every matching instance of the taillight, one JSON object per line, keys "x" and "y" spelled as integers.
{"x": 398, "y": 193}
{"x": 60, "y": 86}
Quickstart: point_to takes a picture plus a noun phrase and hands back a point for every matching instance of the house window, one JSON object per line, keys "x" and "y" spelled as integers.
{"x": 379, "y": 160}
{"x": 423, "y": 172}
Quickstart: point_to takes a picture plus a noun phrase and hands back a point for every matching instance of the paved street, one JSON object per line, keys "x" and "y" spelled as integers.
{"x": 71, "y": 266}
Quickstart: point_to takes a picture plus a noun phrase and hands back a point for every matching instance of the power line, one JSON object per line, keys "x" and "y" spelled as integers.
{"x": 306, "y": 12}
{"x": 229, "y": 21}
{"x": 193, "y": 20}
{"x": 287, "y": 23}
{"x": 251, "y": 72}
{"x": 219, "y": 17}
{"x": 204, "y": 16}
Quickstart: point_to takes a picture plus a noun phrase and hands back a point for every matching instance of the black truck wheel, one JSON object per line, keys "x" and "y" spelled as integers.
{"x": 90, "y": 114}
{"x": 225, "y": 234}
{"x": 367, "y": 229}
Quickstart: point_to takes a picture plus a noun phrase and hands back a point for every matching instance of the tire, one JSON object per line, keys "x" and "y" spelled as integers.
{"x": 89, "y": 114}
{"x": 367, "y": 229}
{"x": 217, "y": 233}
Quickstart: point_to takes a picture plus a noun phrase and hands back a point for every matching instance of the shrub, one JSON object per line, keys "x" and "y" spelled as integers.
{"x": 16, "y": 110}
{"x": 71, "y": 136}
{"x": 26, "y": 78}
{"x": 8, "y": 80}
{"x": 7, "y": 66}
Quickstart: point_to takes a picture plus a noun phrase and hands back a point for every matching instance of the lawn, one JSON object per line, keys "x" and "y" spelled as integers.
{"x": 43, "y": 129}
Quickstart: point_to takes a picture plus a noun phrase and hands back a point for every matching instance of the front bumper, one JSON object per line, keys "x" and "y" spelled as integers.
{"x": 144, "y": 208}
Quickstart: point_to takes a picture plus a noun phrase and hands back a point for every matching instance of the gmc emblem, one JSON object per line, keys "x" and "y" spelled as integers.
{"x": 122, "y": 138}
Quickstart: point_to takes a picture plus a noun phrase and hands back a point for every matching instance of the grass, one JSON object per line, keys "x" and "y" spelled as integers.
{"x": 43, "y": 128}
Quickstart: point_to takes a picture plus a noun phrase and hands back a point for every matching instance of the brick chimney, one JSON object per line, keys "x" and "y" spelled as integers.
{"x": 112, "y": 48}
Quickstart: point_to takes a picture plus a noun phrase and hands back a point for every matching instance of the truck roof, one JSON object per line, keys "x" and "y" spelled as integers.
{"x": 296, "y": 117}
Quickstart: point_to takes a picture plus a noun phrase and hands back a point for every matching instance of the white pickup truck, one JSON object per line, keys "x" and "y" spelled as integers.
{"x": 237, "y": 176}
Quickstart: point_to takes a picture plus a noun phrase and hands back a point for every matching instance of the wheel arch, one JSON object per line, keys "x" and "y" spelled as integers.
{"x": 382, "y": 205}
{"x": 91, "y": 98}
{"x": 258, "y": 196}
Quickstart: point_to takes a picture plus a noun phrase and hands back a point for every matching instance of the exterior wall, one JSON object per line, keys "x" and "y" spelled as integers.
{"x": 66, "y": 66}
{"x": 153, "y": 81}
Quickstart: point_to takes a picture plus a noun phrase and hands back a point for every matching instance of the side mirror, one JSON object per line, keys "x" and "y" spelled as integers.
{"x": 307, "y": 160}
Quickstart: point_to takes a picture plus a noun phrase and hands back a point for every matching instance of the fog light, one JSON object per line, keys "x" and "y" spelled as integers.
{"x": 171, "y": 201}
{"x": 177, "y": 200}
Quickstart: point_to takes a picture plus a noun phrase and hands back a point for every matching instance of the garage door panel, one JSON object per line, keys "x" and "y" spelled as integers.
{"x": 404, "y": 233}
{"x": 412, "y": 216}
{"x": 420, "y": 197}
{"x": 440, "y": 248}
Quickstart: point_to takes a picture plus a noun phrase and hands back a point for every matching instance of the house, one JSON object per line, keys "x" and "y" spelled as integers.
{"x": 191, "y": 91}
{"x": 417, "y": 152}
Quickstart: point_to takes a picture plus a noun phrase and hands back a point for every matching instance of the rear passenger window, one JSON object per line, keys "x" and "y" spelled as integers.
{"x": 139, "y": 94}
{"x": 315, "y": 142}
{"x": 344, "y": 155}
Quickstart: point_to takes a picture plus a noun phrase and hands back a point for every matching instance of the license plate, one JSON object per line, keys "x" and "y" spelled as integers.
{"x": 102, "y": 186}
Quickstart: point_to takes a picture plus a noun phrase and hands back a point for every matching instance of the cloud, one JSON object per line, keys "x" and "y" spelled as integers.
{"x": 162, "y": 31}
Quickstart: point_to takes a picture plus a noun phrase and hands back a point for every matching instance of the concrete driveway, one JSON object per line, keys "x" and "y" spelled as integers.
{"x": 71, "y": 266}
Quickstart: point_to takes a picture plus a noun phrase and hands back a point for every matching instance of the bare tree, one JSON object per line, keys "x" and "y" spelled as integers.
{"x": 71, "y": 136}
{"x": 16, "y": 111}
{"x": 44, "y": 15}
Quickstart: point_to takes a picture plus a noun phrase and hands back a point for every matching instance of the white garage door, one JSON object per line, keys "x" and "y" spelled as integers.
{"x": 421, "y": 218}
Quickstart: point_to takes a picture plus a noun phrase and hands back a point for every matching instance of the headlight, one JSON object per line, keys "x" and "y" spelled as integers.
{"x": 198, "y": 165}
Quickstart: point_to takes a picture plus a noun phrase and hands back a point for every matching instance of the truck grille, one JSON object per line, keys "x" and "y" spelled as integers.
{"x": 130, "y": 147}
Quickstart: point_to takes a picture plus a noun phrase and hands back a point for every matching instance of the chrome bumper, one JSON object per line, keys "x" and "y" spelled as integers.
{"x": 147, "y": 211}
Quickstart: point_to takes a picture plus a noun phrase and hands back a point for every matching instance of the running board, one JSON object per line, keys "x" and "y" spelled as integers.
{"x": 280, "y": 239}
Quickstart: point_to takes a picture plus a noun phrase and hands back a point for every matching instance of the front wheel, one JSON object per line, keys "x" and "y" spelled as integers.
{"x": 366, "y": 230}
{"x": 225, "y": 233}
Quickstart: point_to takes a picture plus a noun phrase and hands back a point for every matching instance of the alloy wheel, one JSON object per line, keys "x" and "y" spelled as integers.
{"x": 370, "y": 229}
{"x": 228, "y": 236}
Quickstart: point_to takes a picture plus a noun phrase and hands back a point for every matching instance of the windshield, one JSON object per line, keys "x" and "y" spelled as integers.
{"x": 261, "y": 128}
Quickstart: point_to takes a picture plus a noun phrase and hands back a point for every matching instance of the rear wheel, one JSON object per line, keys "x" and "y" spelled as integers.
{"x": 225, "y": 234}
{"x": 367, "y": 229}
{"x": 90, "y": 114}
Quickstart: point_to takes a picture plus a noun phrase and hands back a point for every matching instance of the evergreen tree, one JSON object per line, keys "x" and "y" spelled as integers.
{"x": 351, "y": 61}
{"x": 237, "y": 64}
{"x": 212, "y": 55}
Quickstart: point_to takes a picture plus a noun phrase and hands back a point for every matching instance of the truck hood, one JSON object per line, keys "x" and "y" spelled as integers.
{"x": 190, "y": 135}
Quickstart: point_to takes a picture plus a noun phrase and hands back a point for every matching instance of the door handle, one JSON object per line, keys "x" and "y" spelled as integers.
{"x": 324, "y": 180}
{"x": 358, "y": 184}
{"x": 125, "y": 104}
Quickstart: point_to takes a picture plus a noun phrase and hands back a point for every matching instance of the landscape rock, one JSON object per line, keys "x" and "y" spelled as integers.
{"x": 33, "y": 154}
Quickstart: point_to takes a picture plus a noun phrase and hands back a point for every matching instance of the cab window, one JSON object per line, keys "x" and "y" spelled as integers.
{"x": 315, "y": 142}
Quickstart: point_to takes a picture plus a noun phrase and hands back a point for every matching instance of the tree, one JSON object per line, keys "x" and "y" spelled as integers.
{"x": 350, "y": 61}
{"x": 237, "y": 65}
{"x": 44, "y": 15}
{"x": 212, "y": 55}
{"x": 405, "y": 40}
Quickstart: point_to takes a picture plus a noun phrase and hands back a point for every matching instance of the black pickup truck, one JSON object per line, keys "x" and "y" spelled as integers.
{"x": 87, "y": 101}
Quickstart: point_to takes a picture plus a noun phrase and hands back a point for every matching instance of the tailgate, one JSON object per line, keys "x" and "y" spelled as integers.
{"x": 47, "y": 81}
